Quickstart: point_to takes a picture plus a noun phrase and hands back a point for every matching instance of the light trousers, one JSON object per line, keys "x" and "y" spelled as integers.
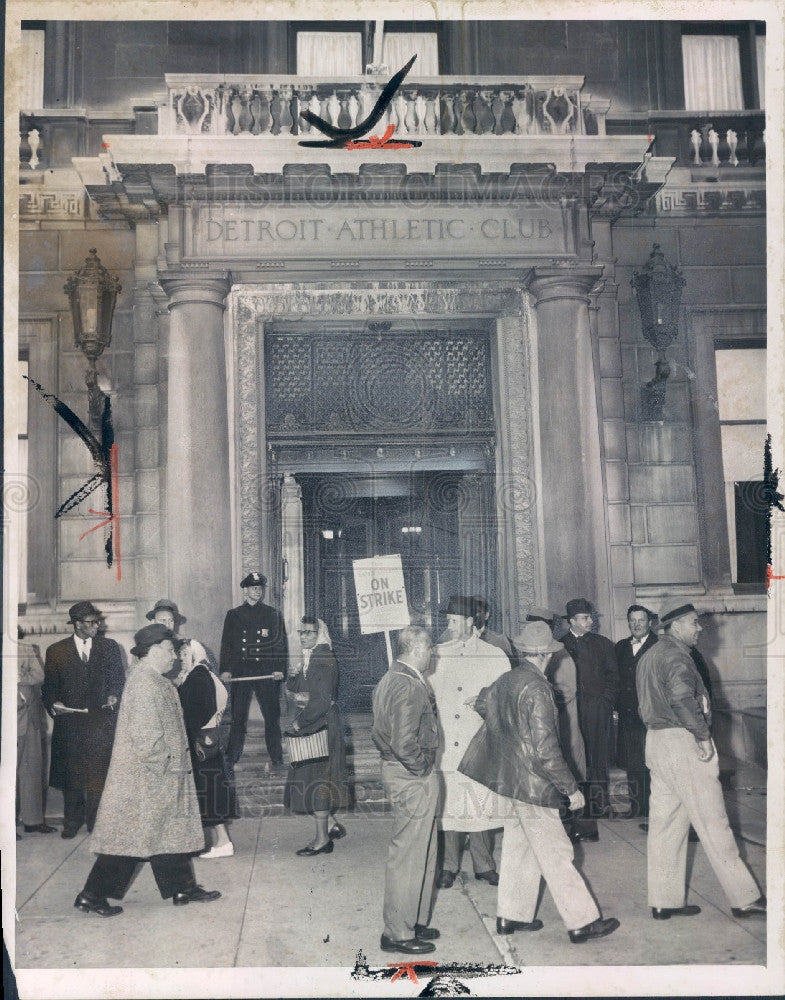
{"x": 480, "y": 848}
{"x": 535, "y": 846}
{"x": 686, "y": 790}
{"x": 411, "y": 858}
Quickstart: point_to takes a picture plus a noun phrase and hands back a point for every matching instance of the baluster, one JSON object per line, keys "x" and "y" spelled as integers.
{"x": 219, "y": 112}
{"x": 695, "y": 142}
{"x": 400, "y": 108}
{"x": 265, "y": 111}
{"x": 758, "y": 150}
{"x": 483, "y": 111}
{"x": 276, "y": 104}
{"x": 458, "y": 106}
{"x": 521, "y": 115}
{"x": 714, "y": 141}
{"x": 432, "y": 114}
{"x": 723, "y": 149}
{"x": 410, "y": 117}
{"x": 255, "y": 111}
{"x": 354, "y": 107}
{"x": 447, "y": 118}
{"x": 733, "y": 141}
{"x": 497, "y": 111}
{"x": 315, "y": 107}
{"x": 246, "y": 119}
{"x": 333, "y": 109}
{"x": 420, "y": 112}
{"x": 288, "y": 110}
{"x": 367, "y": 100}
{"x": 469, "y": 117}
{"x": 236, "y": 106}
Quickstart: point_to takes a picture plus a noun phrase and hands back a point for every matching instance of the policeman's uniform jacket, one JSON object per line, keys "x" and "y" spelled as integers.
{"x": 254, "y": 641}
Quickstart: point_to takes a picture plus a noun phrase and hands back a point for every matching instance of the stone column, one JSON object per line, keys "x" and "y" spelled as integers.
{"x": 198, "y": 537}
{"x": 292, "y": 552}
{"x": 572, "y": 482}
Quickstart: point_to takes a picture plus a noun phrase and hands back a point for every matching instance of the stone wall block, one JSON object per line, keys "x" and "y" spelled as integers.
{"x": 619, "y": 522}
{"x": 671, "y": 523}
{"x": 610, "y": 358}
{"x": 147, "y": 448}
{"x": 662, "y": 483}
{"x": 146, "y": 405}
{"x": 666, "y": 564}
{"x": 748, "y": 284}
{"x": 146, "y": 364}
{"x": 616, "y": 480}
{"x": 706, "y": 286}
{"x": 148, "y": 488}
{"x": 621, "y": 565}
{"x": 612, "y": 398}
{"x": 615, "y": 439}
{"x": 39, "y": 251}
{"x": 718, "y": 245}
{"x": 665, "y": 443}
{"x": 638, "y": 524}
{"x": 115, "y": 246}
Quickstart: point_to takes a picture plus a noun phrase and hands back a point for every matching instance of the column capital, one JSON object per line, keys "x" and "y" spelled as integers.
{"x": 204, "y": 287}
{"x": 550, "y": 284}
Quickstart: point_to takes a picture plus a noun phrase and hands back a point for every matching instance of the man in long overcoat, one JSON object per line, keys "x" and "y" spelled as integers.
{"x": 461, "y": 667}
{"x": 31, "y": 757}
{"x": 149, "y": 810}
{"x": 83, "y": 683}
{"x": 516, "y": 754}
{"x": 254, "y": 644}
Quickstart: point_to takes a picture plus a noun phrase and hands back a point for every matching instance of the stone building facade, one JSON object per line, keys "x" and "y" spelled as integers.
{"x": 323, "y": 354}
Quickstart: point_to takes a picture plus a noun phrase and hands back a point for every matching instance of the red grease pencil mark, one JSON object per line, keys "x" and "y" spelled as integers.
{"x": 110, "y": 517}
{"x": 379, "y": 142}
{"x": 770, "y": 575}
{"x": 407, "y": 968}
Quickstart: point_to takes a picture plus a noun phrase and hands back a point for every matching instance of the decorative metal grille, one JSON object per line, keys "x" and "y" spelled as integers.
{"x": 353, "y": 382}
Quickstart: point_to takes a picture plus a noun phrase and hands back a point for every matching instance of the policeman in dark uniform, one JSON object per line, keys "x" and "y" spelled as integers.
{"x": 254, "y": 644}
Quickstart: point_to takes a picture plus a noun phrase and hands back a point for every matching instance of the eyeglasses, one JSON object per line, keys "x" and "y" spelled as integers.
{"x": 307, "y": 631}
{"x": 91, "y": 621}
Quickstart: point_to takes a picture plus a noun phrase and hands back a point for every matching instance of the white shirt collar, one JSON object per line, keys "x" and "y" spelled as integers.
{"x": 83, "y": 645}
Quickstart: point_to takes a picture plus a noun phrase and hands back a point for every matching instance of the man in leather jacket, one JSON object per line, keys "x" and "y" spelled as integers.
{"x": 516, "y": 754}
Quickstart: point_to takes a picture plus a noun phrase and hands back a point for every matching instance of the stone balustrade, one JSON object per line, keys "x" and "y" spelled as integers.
{"x": 707, "y": 140}
{"x": 271, "y": 105}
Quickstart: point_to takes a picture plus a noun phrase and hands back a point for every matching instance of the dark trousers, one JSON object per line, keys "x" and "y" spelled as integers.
{"x": 595, "y": 719}
{"x": 80, "y": 805}
{"x": 632, "y": 739}
{"x": 268, "y": 697}
{"x": 111, "y": 874}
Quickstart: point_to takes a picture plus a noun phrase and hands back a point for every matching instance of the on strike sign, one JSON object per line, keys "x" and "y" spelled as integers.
{"x": 381, "y": 594}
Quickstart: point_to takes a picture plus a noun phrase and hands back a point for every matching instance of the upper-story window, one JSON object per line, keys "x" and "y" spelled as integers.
{"x": 400, "y": 46}
{"x": 724, "y": 66}
{"x": 741, "y": 400}
{"x": 31, "y": 97}
{"x": 329, "y": 53}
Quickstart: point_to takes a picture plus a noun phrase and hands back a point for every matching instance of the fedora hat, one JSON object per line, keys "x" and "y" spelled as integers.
{"x": 81, "y": 610}
{"x": 166, "y": 605}
{"x": 536, "y": 637}
{"x": 149, "y": 636}
{"x": 676, "y": 613}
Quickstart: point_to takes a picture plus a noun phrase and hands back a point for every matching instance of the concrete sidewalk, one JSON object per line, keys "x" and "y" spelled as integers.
{"x": 278, "y": 909}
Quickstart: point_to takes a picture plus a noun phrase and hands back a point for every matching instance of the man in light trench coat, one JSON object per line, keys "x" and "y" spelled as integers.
{"x": 460, "y": 668}
{"x": 149, "y": 810}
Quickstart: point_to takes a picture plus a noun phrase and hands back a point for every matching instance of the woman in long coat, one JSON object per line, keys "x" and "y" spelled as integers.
{"x": 317, "y": 787}
{"x": 204, "y": 699}
{"x": 148, "y": 810}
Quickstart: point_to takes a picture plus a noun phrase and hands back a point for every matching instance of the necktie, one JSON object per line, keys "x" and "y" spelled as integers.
{"x": 84, "y": 656}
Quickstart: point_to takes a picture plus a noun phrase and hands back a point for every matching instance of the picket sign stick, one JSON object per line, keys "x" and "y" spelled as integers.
{"x": 389, "y": 647}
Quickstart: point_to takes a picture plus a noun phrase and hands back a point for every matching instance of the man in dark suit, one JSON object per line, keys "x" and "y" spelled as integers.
{"x": 254, "y": 645}
{"x": 598, "y": 681}
{"x": 83, "y": 682}
{"x": 632, "y": 732}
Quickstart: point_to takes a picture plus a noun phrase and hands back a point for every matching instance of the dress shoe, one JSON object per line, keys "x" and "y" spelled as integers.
{"x": 309, "y": 852}
{"x": 423, "y": 933}
{"x": 491, "y": 877}
{"x": 693, "y": 837}
{"x": 504, "y": 926}
{"x": 337, "y": 831}
{"x": 414, "y": 946}
{"x": 224, "y": 851}
{"x": 665, "y": 913}
{"x": 591, "y": 837}
{"x": 596, "y": 929}
{"x": 69, "y": 833}
{"x": 96, "y": 904}
{"x": 756, "y": 909}
{"x": 40, "y": 828}
{"x": 445, "y": 880}
{"x": 644, "y": 827}
{"x": 196, "y": 894}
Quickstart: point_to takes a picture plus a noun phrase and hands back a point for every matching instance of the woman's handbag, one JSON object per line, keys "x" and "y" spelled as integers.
{"x": 206, "y": 745}
{"x": 308, "y": 748}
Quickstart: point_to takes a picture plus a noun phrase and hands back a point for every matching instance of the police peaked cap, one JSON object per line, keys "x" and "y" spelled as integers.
{"x": 255, "y": 580}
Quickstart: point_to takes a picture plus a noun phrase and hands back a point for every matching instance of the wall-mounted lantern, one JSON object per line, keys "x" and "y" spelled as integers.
{"x": 658, "y": 287}
{"x": 92, "y": 292}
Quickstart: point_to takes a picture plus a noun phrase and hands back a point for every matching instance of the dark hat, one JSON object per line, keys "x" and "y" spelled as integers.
{"x": 463, "y": 606}
{"x": 148, "y": 637}
{"x": 541, "y": 615}
{"x": 536, "y": 637}
{"x": 166, "y": 605}
{"x": 81, "y": 610}
{"x": 578, "y": 606}
{"x": 254, "y": 580}
{"x": 672, "y": 616}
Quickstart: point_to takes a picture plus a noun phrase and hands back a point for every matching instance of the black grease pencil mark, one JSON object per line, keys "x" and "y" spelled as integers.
{"x": 773, "y": 498}
{"x": 346, "y": 138}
